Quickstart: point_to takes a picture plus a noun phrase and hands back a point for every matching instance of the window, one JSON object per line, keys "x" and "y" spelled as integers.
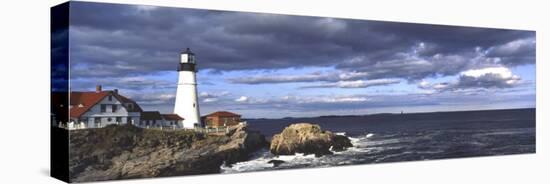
{"x": 193, "y": 105}
{"x": 118, "y": 119}
{"x": 209, "y": 121}
{"x": 103, "y": 108}
{"x": 129, "y": 120}
{"x": 109, "y": 119}
{"x": 97, "y": 122}
{"x": 191, "y": 58}
{"x": 114, "y": 108}
{"x": 130, "y": 106}
{"x": 110, "y": 98}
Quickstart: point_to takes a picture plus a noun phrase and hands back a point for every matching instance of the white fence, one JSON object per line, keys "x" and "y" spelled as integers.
{"x": 75, "y": 126}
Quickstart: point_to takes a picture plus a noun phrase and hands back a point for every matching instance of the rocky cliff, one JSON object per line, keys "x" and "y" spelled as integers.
{"x": 308, "y": 139}
{"x": 122, "y": 152}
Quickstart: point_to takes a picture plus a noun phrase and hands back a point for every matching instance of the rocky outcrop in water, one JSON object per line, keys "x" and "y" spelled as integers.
{"x": 308, "y": 139}
{"x": 122, "y": 152}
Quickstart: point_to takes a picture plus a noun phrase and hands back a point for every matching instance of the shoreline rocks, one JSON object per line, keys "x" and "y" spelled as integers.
{"x": 276, "y": 163}
{"x": 308, "y": 139}
{"x": 126, "y": 151}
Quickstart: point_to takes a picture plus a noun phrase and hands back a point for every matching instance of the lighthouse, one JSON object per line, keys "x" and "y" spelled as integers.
{"x": 187, "y": 105}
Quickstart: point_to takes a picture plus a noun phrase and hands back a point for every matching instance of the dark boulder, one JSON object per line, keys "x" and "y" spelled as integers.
{"x": 276, "y": 163}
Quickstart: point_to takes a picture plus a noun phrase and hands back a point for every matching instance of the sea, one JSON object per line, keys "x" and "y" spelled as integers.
{"x": 383, "y": 138}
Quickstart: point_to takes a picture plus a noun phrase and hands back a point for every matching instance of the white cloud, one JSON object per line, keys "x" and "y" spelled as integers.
{"x": 500, "y": 71}
{"x": 485, "y": 78}
{"x": 242, "y": 99}
{"x": 213, "y": 95}
{"x": 424, "y": 84}
{"x": 207, "y": 100}
{"x": 204, "y": 94}
{"x": 352, "y": 75}
{"x": 347, "y": 99}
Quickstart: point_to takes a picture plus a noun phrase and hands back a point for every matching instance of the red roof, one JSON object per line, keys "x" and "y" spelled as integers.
{"x": 172, "y": 117}
{"x": 82, "y": 101}
{"x": 224, "y": 114}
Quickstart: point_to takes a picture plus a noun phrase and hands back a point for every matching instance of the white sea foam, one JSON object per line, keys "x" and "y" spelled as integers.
{"x": 260, "y": 160}
{"x": 294, "y": 157}
{"x": 340, "y": 133}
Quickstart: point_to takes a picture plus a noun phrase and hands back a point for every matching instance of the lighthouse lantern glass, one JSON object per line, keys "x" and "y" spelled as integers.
{"x": 191, "y": 58}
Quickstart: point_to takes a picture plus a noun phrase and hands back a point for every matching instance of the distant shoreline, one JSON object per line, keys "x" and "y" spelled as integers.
{"x": 391, "y": 114}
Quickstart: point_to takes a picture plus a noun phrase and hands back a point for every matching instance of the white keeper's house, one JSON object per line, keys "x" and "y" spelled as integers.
{"x": 95, "y": 109}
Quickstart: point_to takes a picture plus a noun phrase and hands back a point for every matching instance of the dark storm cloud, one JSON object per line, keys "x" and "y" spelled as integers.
{"x": 115, "y": 40}
{"x": 517, "y": 52}
{"x": 129, "y": 83}
{"x": 356, "y": 84}
{"x": 486, "y": 81}
{"x": 270, "y": 79}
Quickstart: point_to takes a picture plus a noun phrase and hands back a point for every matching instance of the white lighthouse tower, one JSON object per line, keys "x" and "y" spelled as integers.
{"x": 187, "y": 105}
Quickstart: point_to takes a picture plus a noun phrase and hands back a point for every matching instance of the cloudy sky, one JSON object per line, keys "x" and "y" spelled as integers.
{"x": 266, "y": 65}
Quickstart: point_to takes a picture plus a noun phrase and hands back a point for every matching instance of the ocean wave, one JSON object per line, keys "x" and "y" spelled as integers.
{"x": 340, "y": 133}
{"x": 515, "y": 131}
{"x": 361, "y": 138}
{"x": 262, "y": 162}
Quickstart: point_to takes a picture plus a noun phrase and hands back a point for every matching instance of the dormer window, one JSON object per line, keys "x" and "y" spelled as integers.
{"x": 130, "y": 106}
{"x": 110, "y": 98}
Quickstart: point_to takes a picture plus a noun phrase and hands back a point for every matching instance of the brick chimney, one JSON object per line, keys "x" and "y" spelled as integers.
{"x": 98, "y": 88}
